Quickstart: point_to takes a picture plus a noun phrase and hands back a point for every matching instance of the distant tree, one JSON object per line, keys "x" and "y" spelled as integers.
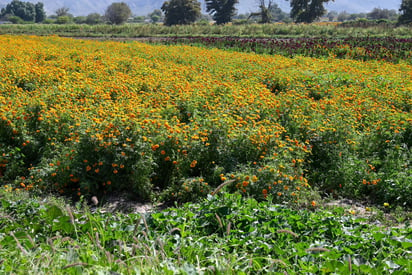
{"x": 243, "y": 16}
{"x": 80, "y": 19}
{"x": 221, "y": 10}
{"x": 156, "y": 15}
{"x": 406, "y": 12}
{"x": 138, "y": 19}
{"x": 181, "y": 12}
{"x": 24, "y": 10}
{"x": 118, "y": 13}
{"x": 343, "y": 16}
{"x": 40, "y": 13}
{"x": 93, "y": 19}
{"x": 355, "y": 16}
{"x": 204, "y": 19}
{"x": 63, "y": 11}
{"x": 64, "y": 19}
{"x": 15, "y": 19}
{"x": 277, "y": 15}
{"x": 264, "y": 11}
{"x": 378, "y": 13}
{"x": 307, "y": 11}
{"x": 332, "y": 15}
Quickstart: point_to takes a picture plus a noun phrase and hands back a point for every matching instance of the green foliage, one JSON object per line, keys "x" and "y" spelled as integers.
{"x": 156, "y": 15}
{"x": 265, "y": 12}
{"x": 118, "y": 13}
{"x": 93, "y": 19}
{"x": 79, "y": 19}
{"x": 63, "y": 19}
{"x": 63, "y": 11}
{"x": 221, "y": 10}
{"x": 307, "y": 11}
{"x": 15, "y": 19}
{"x": 377, "y": 14}
{"x": 24, "y": 10}
{"x": 406, "y": 12}
{"x": 223, "y": 234}
{"x": 359, "y": 29}
{"x": 180, "y": 12}
{"x": 277, "y": 15}
{"x": 40, "y": 13}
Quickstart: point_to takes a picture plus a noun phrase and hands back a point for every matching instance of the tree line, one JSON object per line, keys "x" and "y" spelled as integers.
{"x": 180, "y": 12}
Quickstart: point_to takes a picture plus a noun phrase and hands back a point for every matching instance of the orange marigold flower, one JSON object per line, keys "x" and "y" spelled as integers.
{"x": 193, "y": 164}
{"x": 313, "y": 203}
{"x": 88, "y": 168}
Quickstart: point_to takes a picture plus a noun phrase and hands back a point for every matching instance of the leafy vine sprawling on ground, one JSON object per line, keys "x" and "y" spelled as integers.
{"x": 222, "y": 234}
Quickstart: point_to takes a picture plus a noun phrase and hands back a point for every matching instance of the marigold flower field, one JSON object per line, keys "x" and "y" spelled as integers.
{"x": 86, "y": 117}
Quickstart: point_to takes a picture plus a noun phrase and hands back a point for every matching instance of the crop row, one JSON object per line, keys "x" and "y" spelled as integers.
{"x": 278, "y": 30}
{"x": 86, "y": 117}
{"x": 389, "y": 49}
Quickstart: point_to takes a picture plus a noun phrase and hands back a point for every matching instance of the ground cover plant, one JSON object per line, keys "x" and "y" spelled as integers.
{"x": 223, "y": 234}
{"x": 86, "y": 117}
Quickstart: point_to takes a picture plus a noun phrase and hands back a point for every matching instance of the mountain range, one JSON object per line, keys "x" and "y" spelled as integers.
{"x": 143, "y": 7}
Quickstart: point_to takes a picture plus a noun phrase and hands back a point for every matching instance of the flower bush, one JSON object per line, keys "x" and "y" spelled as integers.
{"x": 87, "y": 117}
